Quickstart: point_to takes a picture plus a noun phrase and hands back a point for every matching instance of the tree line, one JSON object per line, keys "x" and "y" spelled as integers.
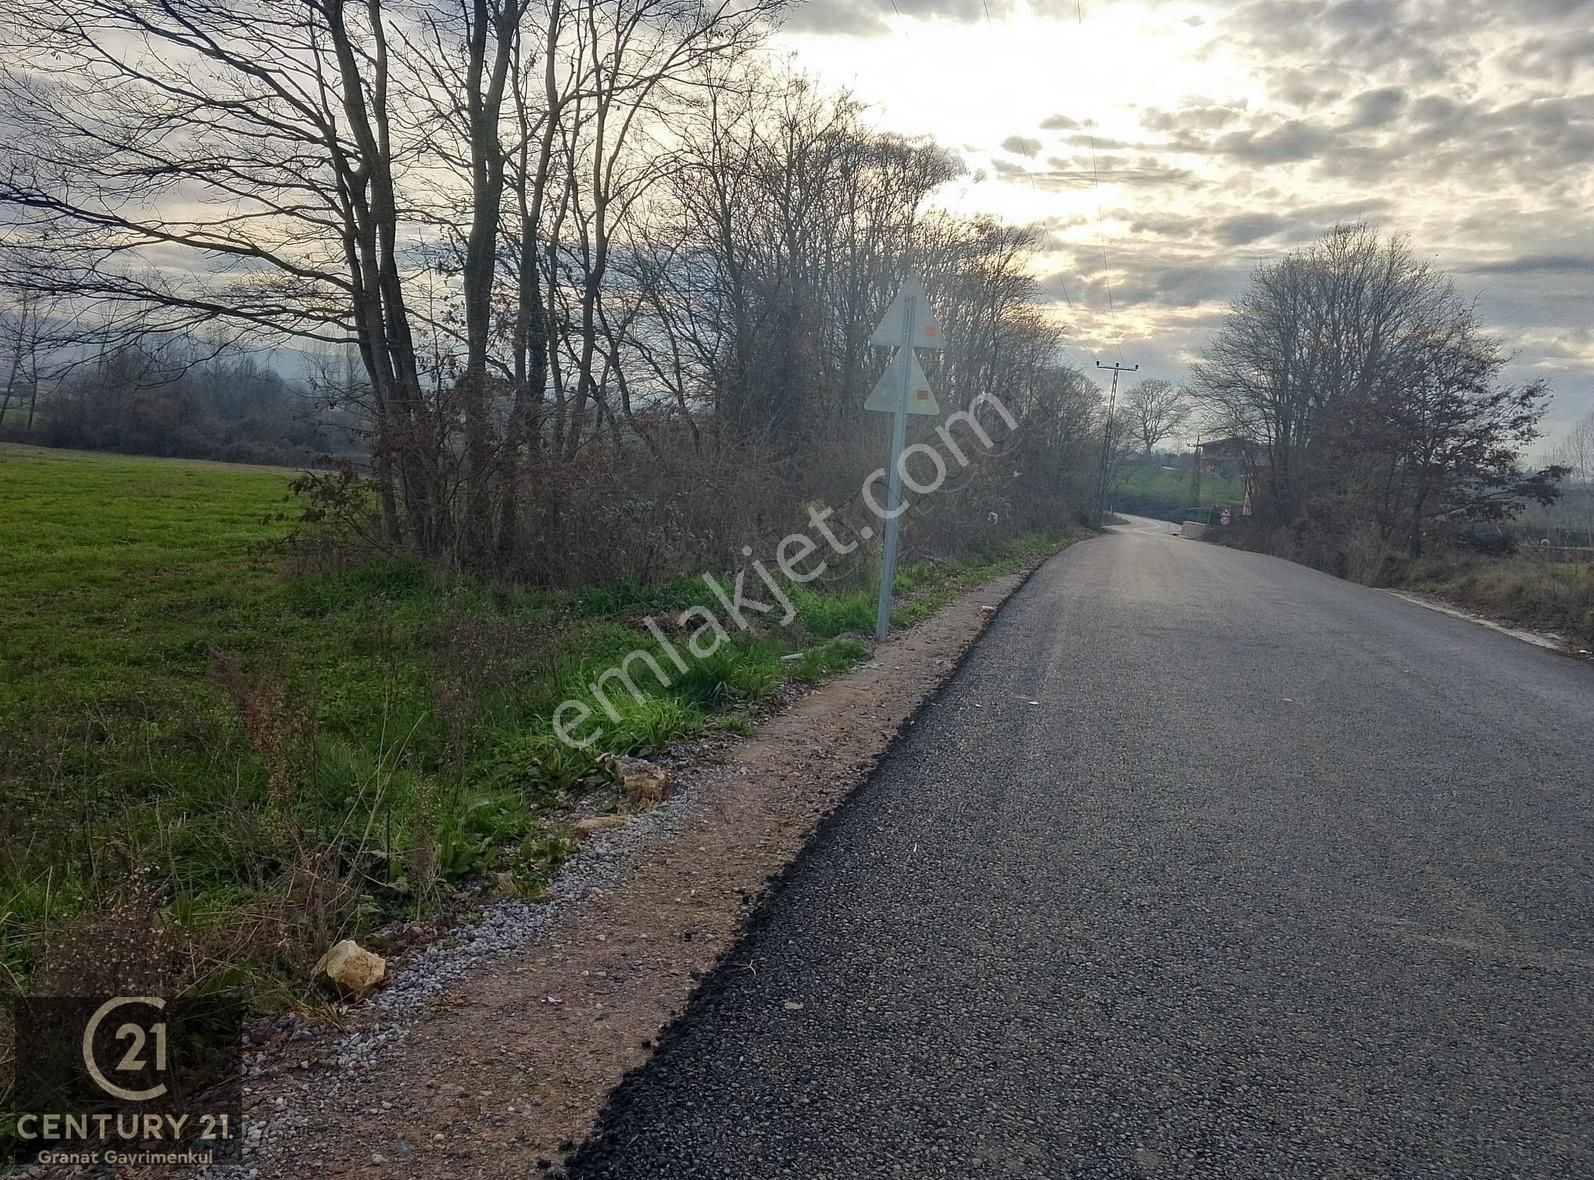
{"x": 183, "y": 397}
{"x": 608, "y": 274}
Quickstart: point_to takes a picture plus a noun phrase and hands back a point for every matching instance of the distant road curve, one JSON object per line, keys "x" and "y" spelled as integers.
{"x": 1146, "y": 525}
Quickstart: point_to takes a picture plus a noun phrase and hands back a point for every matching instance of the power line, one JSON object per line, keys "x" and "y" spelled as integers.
{"x": 1105, "y": 273}
{"x": 1069, "y": 299}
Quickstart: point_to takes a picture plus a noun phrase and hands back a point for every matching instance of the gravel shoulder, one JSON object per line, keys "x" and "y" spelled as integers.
{"x": 494, "y": 1051}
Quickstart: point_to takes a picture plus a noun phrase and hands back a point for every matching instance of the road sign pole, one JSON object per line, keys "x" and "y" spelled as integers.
{"x": 899, "y": 439}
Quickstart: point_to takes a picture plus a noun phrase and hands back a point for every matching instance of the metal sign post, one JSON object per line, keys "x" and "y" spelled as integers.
{"x": 902, "y": 390}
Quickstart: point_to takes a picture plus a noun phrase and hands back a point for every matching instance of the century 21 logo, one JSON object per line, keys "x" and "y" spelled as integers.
{"x": 138, "y": 1037}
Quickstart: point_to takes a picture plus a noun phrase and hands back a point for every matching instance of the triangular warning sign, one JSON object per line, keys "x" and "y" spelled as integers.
{"x": 887, "y": 393}
{"x": 912, "y": 302}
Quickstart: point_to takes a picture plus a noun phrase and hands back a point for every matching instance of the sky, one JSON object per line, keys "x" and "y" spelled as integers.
{"x": 1168, "y": 147}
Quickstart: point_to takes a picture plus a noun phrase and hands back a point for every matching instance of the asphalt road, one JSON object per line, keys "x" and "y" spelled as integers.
{"x": 1148, "y": 525}
{"x": 1203, "y": 864}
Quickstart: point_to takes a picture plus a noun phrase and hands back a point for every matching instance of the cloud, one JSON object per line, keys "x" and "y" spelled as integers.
{"x": 1538, "y": 264}
{"x": 1020, "y": 146}
{"x": 1574, "y": 347}
{"x": 1241, "y": 229}
{"x": 1192, "y": 118}
{"x": 1084, "y": 174}
{"x": 1152, "y": 280}
{"x": 1376, "y": 108}
{"x": 1408, "y": 39}
{"x": 867, "y": 17}
{"x": 1058, "y": 123}
{"x": 835, "y": 17}
{"x": 1562, "y": 58}
{"x": 1166, "y": 225}
{"x": 1294, "y": 139}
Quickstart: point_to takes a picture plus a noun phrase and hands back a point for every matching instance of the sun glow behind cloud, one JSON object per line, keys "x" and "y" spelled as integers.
{"x": 1188, "y": 142}
{"x": 1037, "y": 104}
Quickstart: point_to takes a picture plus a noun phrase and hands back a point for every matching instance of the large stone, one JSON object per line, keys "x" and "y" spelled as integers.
{"x": 351, "y": 970}
{"x": 642, "y": 781}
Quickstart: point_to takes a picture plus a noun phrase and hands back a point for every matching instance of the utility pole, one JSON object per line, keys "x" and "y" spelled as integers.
{"x": 1195, "y": 477}
{"x": 1106, "y": 438}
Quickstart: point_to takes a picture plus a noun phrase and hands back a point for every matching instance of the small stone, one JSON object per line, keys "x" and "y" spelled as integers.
{"x": 599, "y": 823}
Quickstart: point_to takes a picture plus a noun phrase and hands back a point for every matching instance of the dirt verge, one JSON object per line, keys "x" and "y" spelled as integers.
{"x": 507, "y": 1067}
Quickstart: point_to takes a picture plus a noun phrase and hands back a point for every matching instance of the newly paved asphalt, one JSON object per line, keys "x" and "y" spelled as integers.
{"x": 1203, "y": 864}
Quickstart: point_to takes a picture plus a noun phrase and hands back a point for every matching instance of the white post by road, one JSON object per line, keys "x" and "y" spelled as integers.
{"x": 899, "y": 439}
{"x": 909, "y": 323}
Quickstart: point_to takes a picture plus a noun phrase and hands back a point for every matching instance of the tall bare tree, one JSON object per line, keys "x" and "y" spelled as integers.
{"x": 251, "y": 148}
{"x": 1371, "y": 393}
{"x": 1155, "y": 411}
{"x": 1575, "y": 452}
{"x": 286, "y": 164}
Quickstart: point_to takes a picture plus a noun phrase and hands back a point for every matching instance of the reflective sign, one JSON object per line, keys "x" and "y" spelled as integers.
{"x": 888, "y": 390}
{"x": 926, "y": 330}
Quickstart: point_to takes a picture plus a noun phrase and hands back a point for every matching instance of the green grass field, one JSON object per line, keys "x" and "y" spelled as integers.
{"x": 1147, "y": 489}
{"x": 290, "y": 757}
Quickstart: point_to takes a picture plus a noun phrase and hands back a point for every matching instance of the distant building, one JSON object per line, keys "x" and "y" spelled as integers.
{"x": 1233, "y": 457}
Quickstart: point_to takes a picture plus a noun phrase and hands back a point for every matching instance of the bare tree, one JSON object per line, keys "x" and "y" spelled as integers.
{"x": 1370, "y": 393}
{"x": 19, "y": 339}
{"x": 289, "y": 165}
{"x": 1155, "y": 410}
{"x": 1575, "y": 453}
{"x": 252, "y": 147}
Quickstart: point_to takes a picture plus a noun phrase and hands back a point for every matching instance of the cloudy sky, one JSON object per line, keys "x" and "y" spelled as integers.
{"x": 1168, "y": 146}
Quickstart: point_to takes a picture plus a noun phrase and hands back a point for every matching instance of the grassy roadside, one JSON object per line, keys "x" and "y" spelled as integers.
{"x": 1524, "y": 590}
{"x": 290, "y": 759}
